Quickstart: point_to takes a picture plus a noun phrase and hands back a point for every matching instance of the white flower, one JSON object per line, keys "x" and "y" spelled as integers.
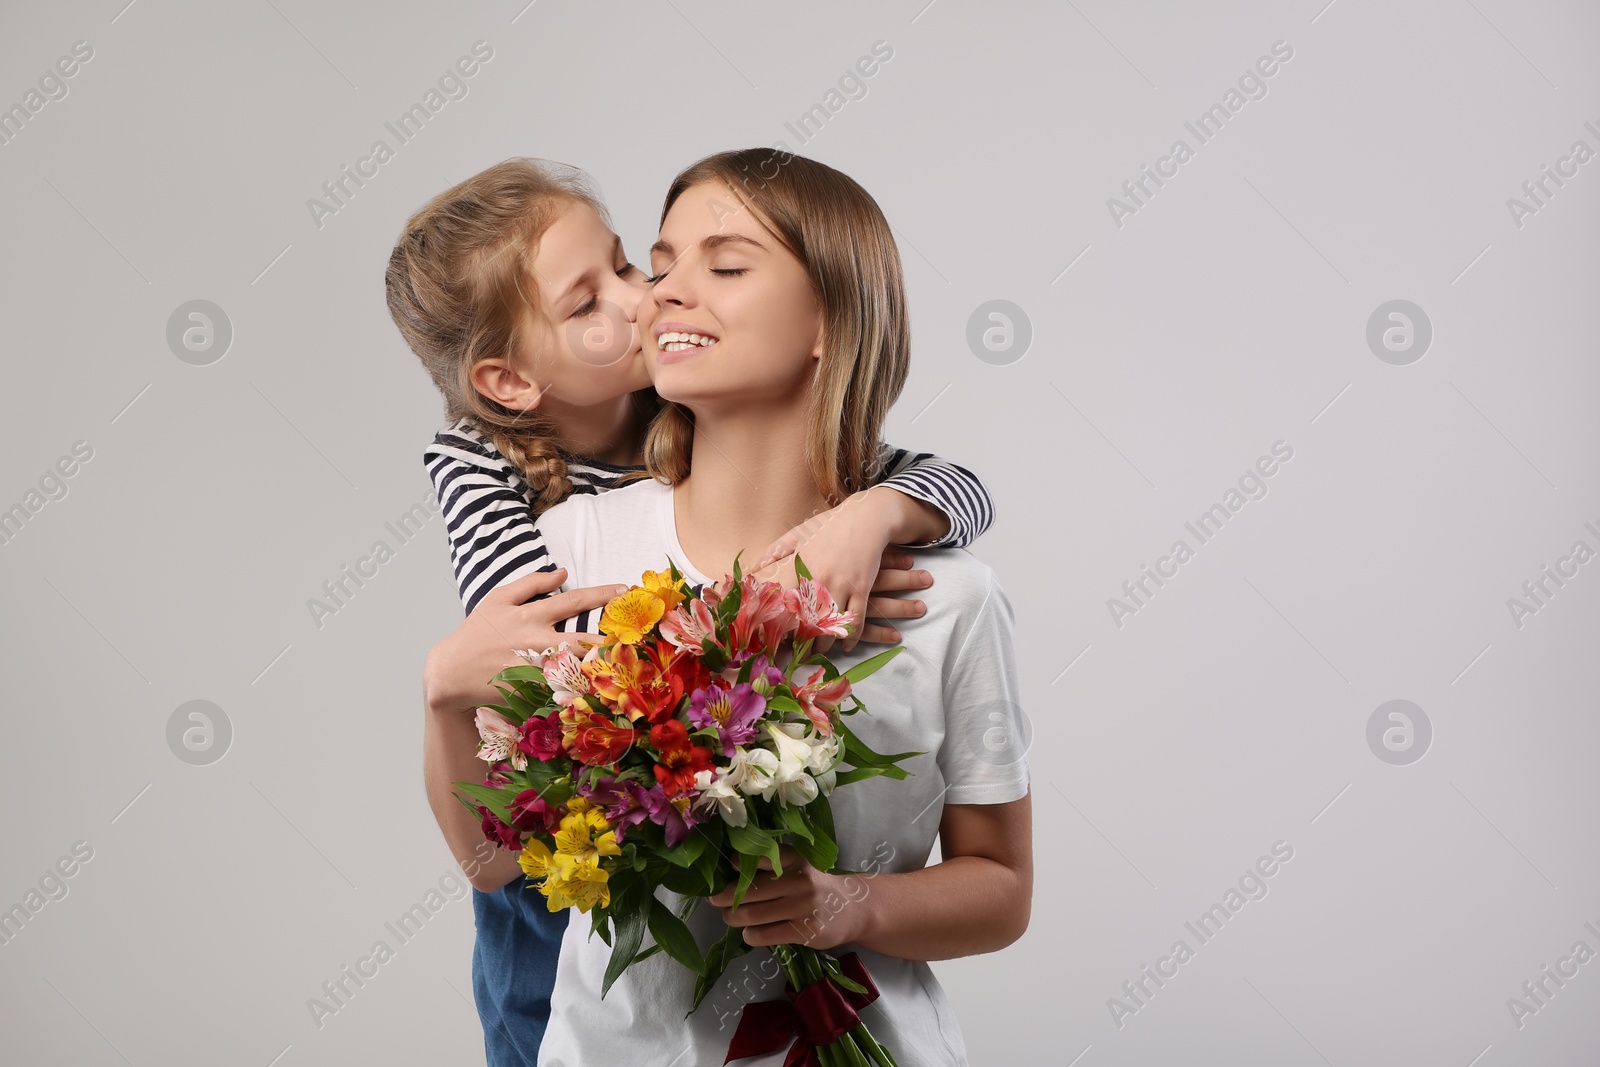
{"x": 500, "y": 737}
{"x": 721, "y": 789}
{"x": 758, "y": 769}
{"x": 791, "y": 781}
{"x": 563, "y": 673}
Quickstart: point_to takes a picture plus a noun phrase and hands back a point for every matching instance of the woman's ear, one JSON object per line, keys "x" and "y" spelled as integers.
{"x": 499, "y": 380}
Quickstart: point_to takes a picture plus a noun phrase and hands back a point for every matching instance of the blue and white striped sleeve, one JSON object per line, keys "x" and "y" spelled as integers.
{"x": 952, "y": 489}
{"x": 493, "y": 536}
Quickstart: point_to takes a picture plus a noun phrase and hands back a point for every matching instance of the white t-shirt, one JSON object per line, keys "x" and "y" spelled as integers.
{"x": 945, "y": 695}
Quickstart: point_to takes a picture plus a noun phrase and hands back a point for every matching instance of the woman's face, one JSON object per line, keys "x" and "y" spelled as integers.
{"x": 583, "y": 349}
{"x": 731, "y": 315}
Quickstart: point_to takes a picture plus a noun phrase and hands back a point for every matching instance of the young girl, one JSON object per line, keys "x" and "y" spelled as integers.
{"x": 515, "y": 294}
{"x": 793, "y": 284}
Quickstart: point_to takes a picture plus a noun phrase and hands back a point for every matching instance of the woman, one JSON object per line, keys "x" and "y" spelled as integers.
{"x": 777, "y": 331}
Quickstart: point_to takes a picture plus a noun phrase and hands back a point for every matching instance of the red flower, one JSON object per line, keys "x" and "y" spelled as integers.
{"x": 593, "y": 738}
{"x": 530, "y": 811}
{"x": 762, "y": 619}
{"x": 498, "y": 832}
{"x": 679, "y": 760}
{"x": 541, "y": 737}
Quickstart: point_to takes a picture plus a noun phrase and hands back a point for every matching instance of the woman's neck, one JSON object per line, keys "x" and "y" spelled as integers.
{"x": 750, "y": 484}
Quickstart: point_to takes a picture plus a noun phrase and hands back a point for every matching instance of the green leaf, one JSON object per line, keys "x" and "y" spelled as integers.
{"x": 727, "y": 949}
{"x": 860, "y": 754}
{"x": 800, "y": 566}
{"x": 630, "y": 932}
{"x": 795, "y": 819}
{"x": 525, "y": 672}
{"x": 673, "y": 935}
{"x": 869, "y": 667}
{"x": 494, "y": 799}
{"x": 783, "y": 703}
{"x": 687, "y": 851}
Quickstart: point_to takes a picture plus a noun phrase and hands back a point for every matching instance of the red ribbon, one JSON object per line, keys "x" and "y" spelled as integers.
{"x": 815, "y": 1017}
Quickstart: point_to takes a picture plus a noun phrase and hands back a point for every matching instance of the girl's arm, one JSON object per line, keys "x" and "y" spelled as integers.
{"x": 922, "y": 501}
{"x": 952, "y": 508}
{"x": 456, "y": 681}
{"x": 491, "y": 527}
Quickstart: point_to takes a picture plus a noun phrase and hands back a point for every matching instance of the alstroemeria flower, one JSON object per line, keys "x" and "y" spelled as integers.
{"x": 819, "y": 698}
{"x": 679, "y": 757}
{"x": 791, "y": 782}
{"x": 661, "y": 584}
{"x": 719, "y": 790}
{"x": 815, "y": 611}
{"x": 622, "y": 800}
{"x": 541, "y": 737}
{"x": 762, "y": 618}
{"x": 674, "y": 815}
{"x": 758, "y": 771}
{"x": 631, "y": 616}
{"x": 500, "y": 736}
{"x": 593, "y": 738}
{"x": 563, "y": 672}
{"x": 497, "y": 831}
{"x": 619, "y": 674}
{"x": 530, "y": 811}
{"x": 688, "y": 626}
{"x": 734, "y": 712}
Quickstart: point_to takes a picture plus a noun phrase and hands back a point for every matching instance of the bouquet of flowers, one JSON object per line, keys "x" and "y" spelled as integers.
{"x": 704, "y": 731}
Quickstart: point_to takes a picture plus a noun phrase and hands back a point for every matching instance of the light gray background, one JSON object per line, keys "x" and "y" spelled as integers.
{"x": 1167, "y": 355}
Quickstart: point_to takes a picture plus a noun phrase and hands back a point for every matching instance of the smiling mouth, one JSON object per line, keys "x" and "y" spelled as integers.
{"x": 677, "y": 341}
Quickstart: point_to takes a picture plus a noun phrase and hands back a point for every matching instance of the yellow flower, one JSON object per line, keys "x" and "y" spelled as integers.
{"x": 661, "y": 584}
{"x": 535, "y": 858}
{"x": 575, "y": 877}
{"x": 631, "y": 616}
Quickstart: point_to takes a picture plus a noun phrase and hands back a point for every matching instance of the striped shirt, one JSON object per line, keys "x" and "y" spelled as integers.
{"x": 494, "y": 535}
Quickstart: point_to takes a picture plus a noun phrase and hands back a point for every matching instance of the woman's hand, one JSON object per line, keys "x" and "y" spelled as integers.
{"x": 804, "y": 907}
{"x": 459, "y": 668}
{"x": 845, "y": 549}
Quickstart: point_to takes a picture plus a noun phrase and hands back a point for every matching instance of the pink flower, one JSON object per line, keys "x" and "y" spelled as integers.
{"x": 687, "y": 625}
{"x": 500, "y": 737}
{"x": 819, "y": 699}
{"x": 763, "y": 617}
{"x": 563, "y": 672}
{"x": 816, "y": 612}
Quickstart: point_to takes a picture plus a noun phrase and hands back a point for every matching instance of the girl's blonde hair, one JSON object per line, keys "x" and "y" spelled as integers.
{"x": 461, "y": 289}
{"x": 839, "y": 234}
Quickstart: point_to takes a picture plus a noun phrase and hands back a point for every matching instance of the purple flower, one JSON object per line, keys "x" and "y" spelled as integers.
{"x": 665, "y": 811}
{"x": 734, "y": 712}
{"x": 622, "y": 800}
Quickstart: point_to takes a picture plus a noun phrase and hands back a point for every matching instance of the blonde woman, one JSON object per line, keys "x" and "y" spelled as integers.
{"x": 777, "y": 334}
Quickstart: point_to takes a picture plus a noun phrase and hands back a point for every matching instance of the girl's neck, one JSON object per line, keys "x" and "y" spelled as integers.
{"x": 749, "y": 485}
{"x": 608, "y": 432}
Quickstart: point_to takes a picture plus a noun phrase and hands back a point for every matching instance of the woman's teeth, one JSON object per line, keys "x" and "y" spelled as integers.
{"x": 679, "y": 342}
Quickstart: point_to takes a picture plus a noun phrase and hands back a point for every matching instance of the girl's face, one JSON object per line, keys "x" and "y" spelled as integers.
{"x": 583, "y": 349}
{"x": 731, "y": 314}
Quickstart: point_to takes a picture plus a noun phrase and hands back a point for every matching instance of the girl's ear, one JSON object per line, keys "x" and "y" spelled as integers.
{"x": 500, "y": 381}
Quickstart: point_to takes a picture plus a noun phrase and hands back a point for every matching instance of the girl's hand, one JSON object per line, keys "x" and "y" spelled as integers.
{"x": 790, "y": 910}
{"x": 459, "y": 668}
{"x": 844, "y": 549}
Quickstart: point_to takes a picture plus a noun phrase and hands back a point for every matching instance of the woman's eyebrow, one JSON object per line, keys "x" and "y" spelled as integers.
{"x": 714, "y": 241}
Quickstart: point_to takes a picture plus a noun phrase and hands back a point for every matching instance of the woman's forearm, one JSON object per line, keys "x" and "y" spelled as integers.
{"x": 449, "y": 754}
{"x": 964, "y": 906}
